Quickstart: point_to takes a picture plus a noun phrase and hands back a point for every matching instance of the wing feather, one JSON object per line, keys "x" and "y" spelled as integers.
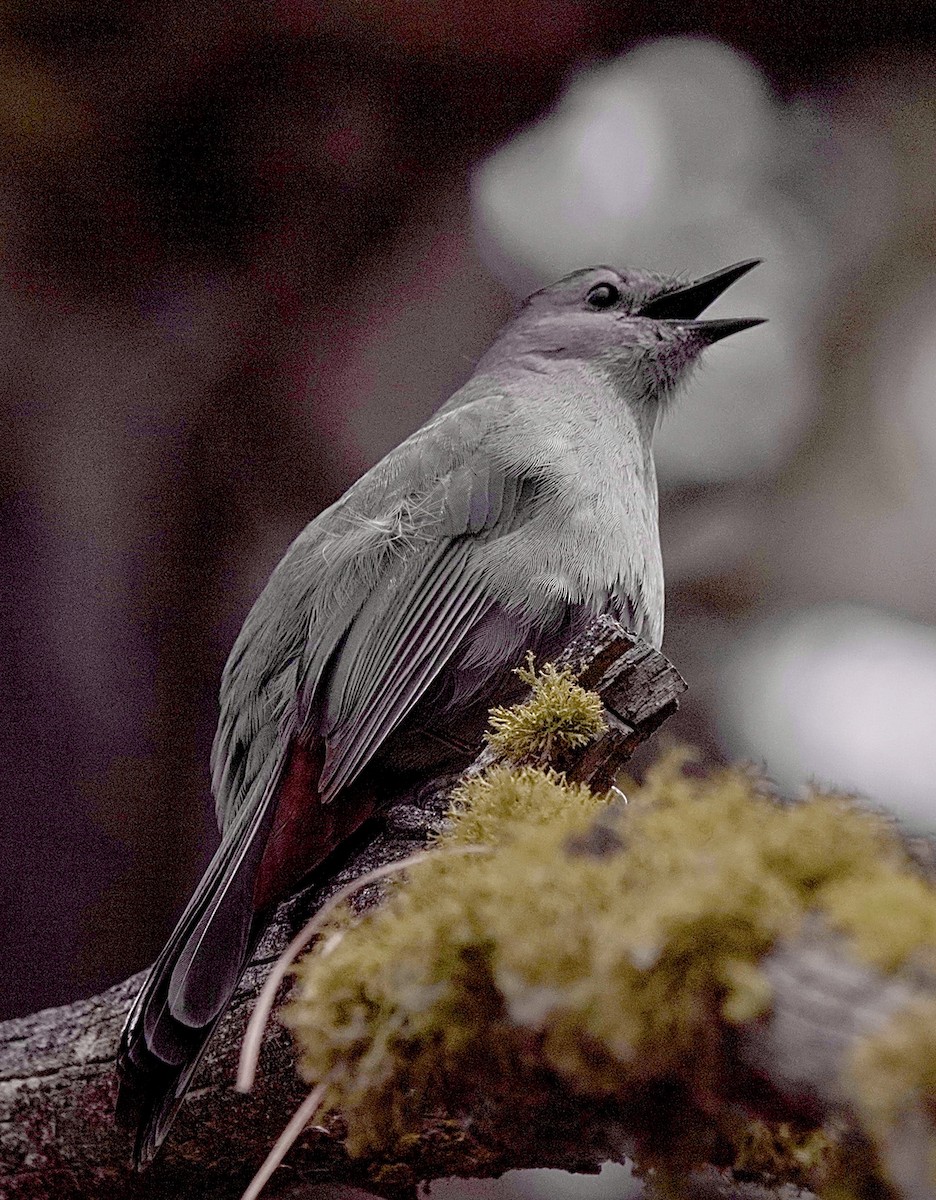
{"x": 391, "y": 608}
{"x": 420, "y": 610}
{"x": 411, "y": 654}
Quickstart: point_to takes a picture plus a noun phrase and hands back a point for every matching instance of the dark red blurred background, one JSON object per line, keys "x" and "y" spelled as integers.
{"x": 227, "y": 227}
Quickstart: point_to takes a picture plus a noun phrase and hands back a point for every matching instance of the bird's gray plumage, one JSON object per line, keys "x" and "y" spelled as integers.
{"x": 525, "y": 505}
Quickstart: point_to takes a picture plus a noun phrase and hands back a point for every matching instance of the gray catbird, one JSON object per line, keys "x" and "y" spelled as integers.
{"x": 526, "y": 505}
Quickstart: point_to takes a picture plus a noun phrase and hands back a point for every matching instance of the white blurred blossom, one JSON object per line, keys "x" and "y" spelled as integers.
{"x": 843, "y": 695}
{"x": 904, "y": 382}
{"x": 647, "y": 160}
{"x": 658, "y": 159}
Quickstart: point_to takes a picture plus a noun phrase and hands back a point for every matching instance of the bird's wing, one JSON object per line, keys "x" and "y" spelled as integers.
{"x": 417, "y": 616}
{"x": 364, "y": 609}
{"x": 259, "y": 689}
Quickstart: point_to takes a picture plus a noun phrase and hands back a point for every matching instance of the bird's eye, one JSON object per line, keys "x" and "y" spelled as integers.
{"x": 603, "y": 295}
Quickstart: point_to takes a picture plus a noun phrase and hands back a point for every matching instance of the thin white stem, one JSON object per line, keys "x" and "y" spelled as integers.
{"x": 297, "y": 1122}
{"x": 250, "y": 1047}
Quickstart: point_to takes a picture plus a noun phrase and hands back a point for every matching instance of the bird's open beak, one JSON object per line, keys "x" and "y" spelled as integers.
{"x": 687, "y": 302}
{"x": 714, "y": 331}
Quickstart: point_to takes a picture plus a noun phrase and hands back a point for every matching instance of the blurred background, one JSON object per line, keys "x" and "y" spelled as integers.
{"x": 246, "y": 248}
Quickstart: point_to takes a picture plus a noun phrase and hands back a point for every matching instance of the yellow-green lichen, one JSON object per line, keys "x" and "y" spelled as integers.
{"x": 781, "y": 1152}
{"x": 889, "y": 916}
{"x": 559, "y": 715}
{"x": 503, "y": 802}
{"x": 891, "y": 1076}
{"x": 620, "y": 966}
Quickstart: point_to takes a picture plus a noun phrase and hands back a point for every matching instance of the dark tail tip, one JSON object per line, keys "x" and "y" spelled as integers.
{"x": 142, "y": 1114}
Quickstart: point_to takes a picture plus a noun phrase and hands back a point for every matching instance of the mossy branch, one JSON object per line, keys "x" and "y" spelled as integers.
{"x": 635, "y": 956}
{"x": 644, "y": 980}
{"x": 57, "y": 1086}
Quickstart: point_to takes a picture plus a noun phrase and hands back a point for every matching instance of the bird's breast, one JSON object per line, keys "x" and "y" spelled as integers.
{"x": 588, "y": 550}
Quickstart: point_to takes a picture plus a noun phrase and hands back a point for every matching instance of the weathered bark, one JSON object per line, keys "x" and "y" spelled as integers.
{"x": 57, "y": 1084}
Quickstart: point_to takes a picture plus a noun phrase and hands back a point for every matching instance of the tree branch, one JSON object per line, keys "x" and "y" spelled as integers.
{"x": 793, "y": 1062}
{"x": 57, "y": 1083}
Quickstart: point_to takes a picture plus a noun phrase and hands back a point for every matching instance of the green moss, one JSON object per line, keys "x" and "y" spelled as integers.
{"x": 559, "y": 715}
{"x": 891, "y": 1075}
{"x": 782, "y": 1151}
{"x": 506, "y": 802}
{"x": 614, "y": 970}
{"x": 889, "y": 915}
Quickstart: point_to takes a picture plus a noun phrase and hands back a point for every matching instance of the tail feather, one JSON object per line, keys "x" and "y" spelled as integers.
{"x": 283, "y": 836}
{"x": 148, "y": 1101}
{"x": 191, "y": 984}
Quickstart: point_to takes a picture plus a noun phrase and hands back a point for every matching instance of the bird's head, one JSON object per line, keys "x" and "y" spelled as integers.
{"x": 640, "y": 328}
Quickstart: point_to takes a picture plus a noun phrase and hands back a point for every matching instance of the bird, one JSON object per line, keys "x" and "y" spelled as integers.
{"x": 526, "y": 505}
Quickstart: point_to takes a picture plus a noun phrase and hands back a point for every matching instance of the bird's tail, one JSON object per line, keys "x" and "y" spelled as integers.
{"x": 189, "y": 988}
{"x": 277, "y": 841}
{"x": 151, "y": 1093}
